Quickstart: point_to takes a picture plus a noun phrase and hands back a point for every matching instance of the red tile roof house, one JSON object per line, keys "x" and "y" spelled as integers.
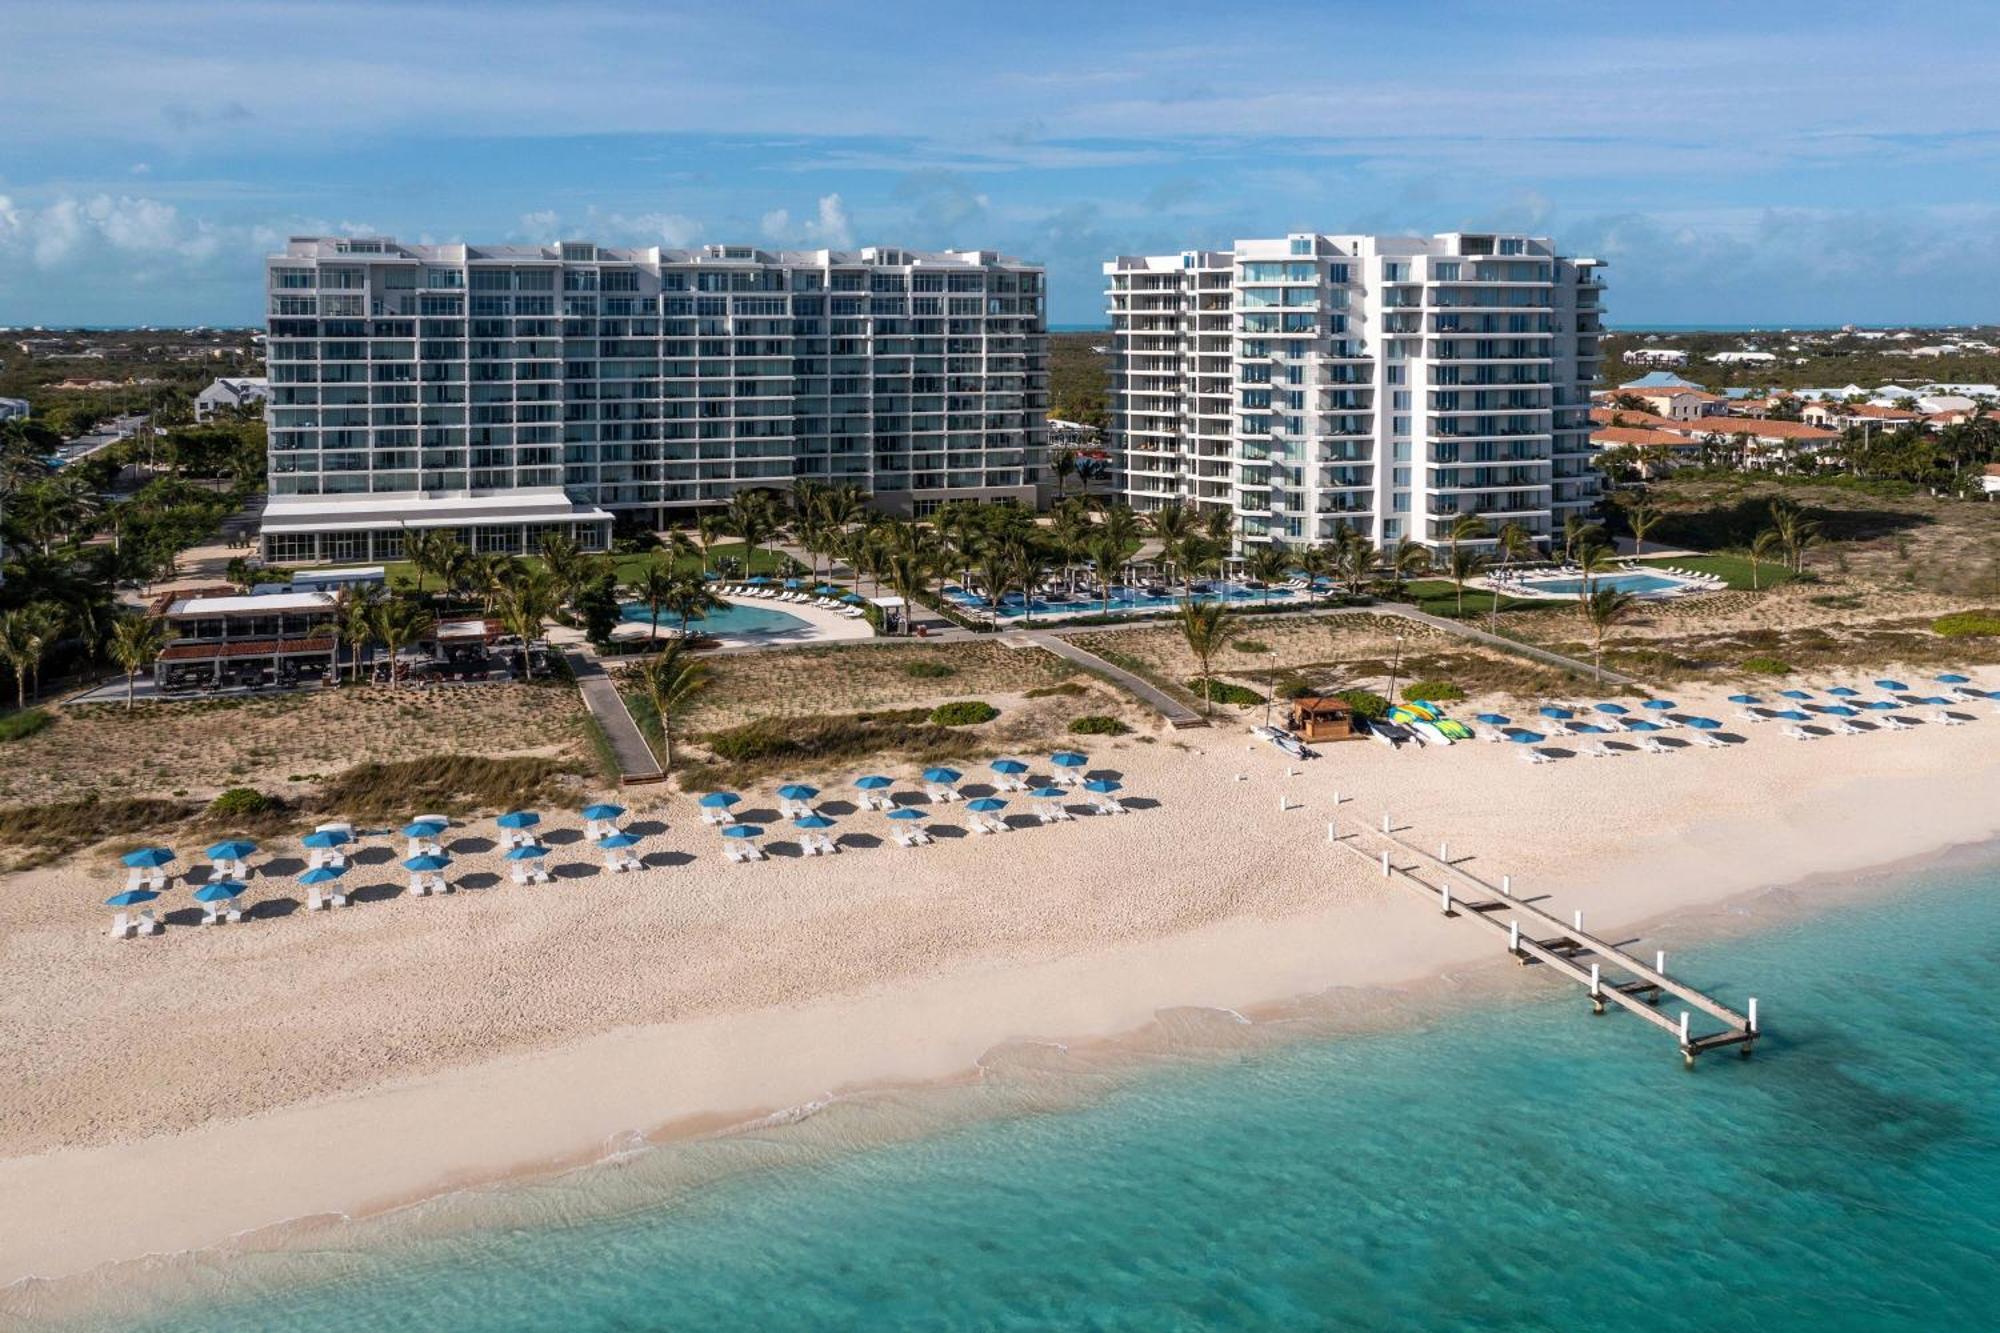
{"x": 1659, "y": 451}
{"x": 1838, "y": 416}
{"x": 1765, "y": 440}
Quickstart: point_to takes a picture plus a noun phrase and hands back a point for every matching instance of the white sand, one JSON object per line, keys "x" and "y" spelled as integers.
{"x": 173, "y": 1092}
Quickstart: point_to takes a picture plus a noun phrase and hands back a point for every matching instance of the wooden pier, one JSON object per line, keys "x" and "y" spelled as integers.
{"x": 1608, "y": 974}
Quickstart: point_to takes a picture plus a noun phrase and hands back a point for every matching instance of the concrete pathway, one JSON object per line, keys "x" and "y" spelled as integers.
{"x": 1173, "y": 710}
{"x": 636, "y": 762}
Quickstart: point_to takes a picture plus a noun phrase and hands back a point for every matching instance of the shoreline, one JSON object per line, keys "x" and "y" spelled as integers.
{"x": 530, "y": 1115}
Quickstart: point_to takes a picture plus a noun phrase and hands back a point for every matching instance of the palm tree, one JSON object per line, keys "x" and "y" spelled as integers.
{"x": 1063, "y": 462}
{"x": 41, "y": 626}
{"x": 399, "y": 624}
{"x": 710, "y": 526}
{"x": 753, "y": 516}
{"x": 135, "y": 642}
{"x": 671, "y": 681}
{"x": 909, "y": 570}
{"x": 1795, "y": 530}
{"x": 1170, "y": 525}
{"x": 1464, "y": 528}
{"x": 1268, "y": 564}
{"x": 1463, "y": 564}
{"x": 1595, "y": 560}
{"x": 653, "y": 588}
{"x": 1356, "y": 558}
{"x": 14, "y": 648}
{"x": 524, "y": 604}
{"x": 1516, "y": 543}
{"x": 354, "y": 620}
{"x": 1642, "y": 518}
{"x": 1409, "y": 556}
{"x": 1764, "y": 547}
{"x": 1107, "y": 556}
{"x": 425, "y": 550}
{"x": 1069, "y": 529}
{"x": 688, "y": 596}
{"x": 999, "y": 565}
{"x": 1602, "y": 609}
{"x": 1207, "y": 627}
{"x": 1314, "y": 562}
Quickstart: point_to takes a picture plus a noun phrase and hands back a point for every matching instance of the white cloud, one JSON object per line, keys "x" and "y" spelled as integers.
{"x": 541, "y": 222}
{"x": 829, "y": 228}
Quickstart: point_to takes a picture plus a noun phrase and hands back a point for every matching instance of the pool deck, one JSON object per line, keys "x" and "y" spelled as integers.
{"x": 821, "y": 626}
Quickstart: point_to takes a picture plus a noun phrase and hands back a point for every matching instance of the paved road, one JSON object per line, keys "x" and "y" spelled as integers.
{"x": 636, "y": 762}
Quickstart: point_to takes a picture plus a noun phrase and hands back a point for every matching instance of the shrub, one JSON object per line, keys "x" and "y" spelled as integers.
{"x": 61, "y": 825}
{"x": 963, "y": 713}
{"x": 1365, "y": 703}
{"x": 928, "y": 670}
{"x": 793, "y": 741}
{"x": 1223, "y": 692}
{"x": 1254, "y": 646}
{"x": 242, "y": 802}
{"x": 19, "y": 726}
{"x": 1067, "y": 688}
{"x": 1432, "y": 691}
{"x": 1968, "y": 624}
{"x": 1291, "y": 685}
{"x": 1097, "y": 724}
{"x": 445, "y": 782}
{"x": 1767, "y": 666}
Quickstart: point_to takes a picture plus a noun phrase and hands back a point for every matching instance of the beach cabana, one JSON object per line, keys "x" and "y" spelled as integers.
{"x": 618, "y": 857}
{"x": 219, "y": 898}
{"x": 1321, "y": 717}
{"x": 872, "y": 786}
{"x": 940, "y": 783}
{"x": 318, "y": 875}
{"x": 715, "y": 807}
{"x": 739, "y": 842}
{"x": 908, "y": 834}
{"x": 124, "y": 926}
{"x": 812, "y": 841}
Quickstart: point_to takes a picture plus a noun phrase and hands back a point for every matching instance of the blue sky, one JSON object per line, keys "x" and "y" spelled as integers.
{"x": 1733, "y": 163}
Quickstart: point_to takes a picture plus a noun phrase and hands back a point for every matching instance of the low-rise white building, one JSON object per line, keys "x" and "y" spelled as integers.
{"x": 231, "y": 391}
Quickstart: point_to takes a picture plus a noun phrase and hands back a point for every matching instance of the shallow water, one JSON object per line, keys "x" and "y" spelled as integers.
{"x": 1522, "y": 1167}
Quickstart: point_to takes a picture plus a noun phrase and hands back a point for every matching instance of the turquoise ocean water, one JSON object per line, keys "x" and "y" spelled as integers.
{"x": 1523, "y": 1166}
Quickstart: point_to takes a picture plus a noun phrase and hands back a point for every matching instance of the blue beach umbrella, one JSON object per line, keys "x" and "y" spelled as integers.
{"x": 758, "y": 578}
{"x": 906, "y": 812}
{"x": 426, "y": 865}
{"x": 1525, "y": 737}
{"x": 1745, "y": 699}
{"x": 1493, "y": 719}
{"x": 1068, "y": 759}
{"x": 322, "y": 874}
{"x": 1795, "y": 694}
{"x": 1008, "y": 766}
{"x": 1615, "y": 710}
{"x": 854, "y": 599}
{"x": 221, "y": 891}
{"x": 529, "y": 853}
{"x": 325, "y": 838}
{"x": 812, "y": 821}
{"x": 603, "y": 810}
{"x": 1880, "y": 705}
{"x": 1843, "y": 692}
{"x": 743, "y": 831}
{"x": 1557, "y": 712}
{"x": 148, "y": 858}
{"x": 233, "y": 850}
{"x": 1102, "y": 785}
{"x": 1938, "y": 700}
{"x": 874, "y": 782}
{"x": 130, "y": 898}
{"x": 794, "y": 584}
{"x": 1047, "y": 793}
{"x": 1640, "y": 724}
{"x": 986, "y": 805}
{"x": 1590, "y": 729}
{"x": 944, "y": 775}
{"x": 517, "y": 819}
{"x": 1952, "y": 678}
{"x": 797, "y": 791}
{"x": 719, "y": 800}
{"x": 1791, "y": 715}
{"x": 1896, "y": 685}
{"x": 423, "y": 828}
{"x": 1702, "y": 723}
{"x": 1660, "y": 705}
{"x": 617, "y": 840}
{"x": 1839, "y": 710}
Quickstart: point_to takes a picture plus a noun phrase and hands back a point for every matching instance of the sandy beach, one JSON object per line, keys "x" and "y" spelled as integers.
{"x": 174, "y": 1092}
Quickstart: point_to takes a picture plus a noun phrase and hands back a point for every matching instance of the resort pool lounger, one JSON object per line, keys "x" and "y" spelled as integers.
{"x": 1798, "y": 734}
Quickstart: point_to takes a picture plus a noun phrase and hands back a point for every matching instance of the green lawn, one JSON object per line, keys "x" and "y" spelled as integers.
{"x": 1439, "y": 597}
{"x": 1731, "y": 569}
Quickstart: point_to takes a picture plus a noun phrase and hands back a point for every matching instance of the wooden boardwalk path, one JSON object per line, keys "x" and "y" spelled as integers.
{"x": 1608, "y": 973}
{"x": 636, "y": 762}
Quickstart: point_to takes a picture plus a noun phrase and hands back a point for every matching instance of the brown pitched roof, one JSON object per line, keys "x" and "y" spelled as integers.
{"x": 1612, "y": 435}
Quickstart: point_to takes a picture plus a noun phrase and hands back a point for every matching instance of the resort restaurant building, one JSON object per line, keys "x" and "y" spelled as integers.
{"x": 236, "y": 640}
{"x": 377, "y": 527}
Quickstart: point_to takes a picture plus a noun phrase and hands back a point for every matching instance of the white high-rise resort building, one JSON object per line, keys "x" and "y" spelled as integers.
{"x": 505, "y": 391}
{"x": 1382, "y": 383}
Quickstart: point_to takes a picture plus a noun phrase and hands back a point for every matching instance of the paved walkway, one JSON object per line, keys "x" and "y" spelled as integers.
{"x": 1495, "y": 641}
{"x": 1173, "y": 710}
{"x": 636, "y": 762}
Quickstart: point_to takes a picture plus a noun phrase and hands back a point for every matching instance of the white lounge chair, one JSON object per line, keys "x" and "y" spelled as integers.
{"x": 1599, "y": 750}
{"x": 1842, "y": 727}
{"x": 1798, "y": 733}
{"x": 618, "y": 861}
{"x": 1533, "y": 756}
{"x": 1709, "y": 740}
{"x": 122, "y": 927}
{"x": 326, "y": 856}
{"x": 421, "y": 847}
{"x": 911, "y": 837}
{"x": 1651, "y": 745}
{"x": 875, "y": 800}
{"x": 217, "y": 914}
{"x": 794, "y": 809}
{"x": 145, "y": 923}
{"x": 1944, "y": 719}
{"x": 1107, "y": 804}
{"x": 1894, "y": 723}
{"x": 743, "y": 851}
{"x": 941, "y": 793}
{"x": 1750, "y": 715}
{"x": 142, "y": 877}
{"x": 716, "y": 816}
{"x": 523, "y": 873}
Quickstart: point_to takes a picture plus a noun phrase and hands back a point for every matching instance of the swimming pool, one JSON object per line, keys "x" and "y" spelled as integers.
{"x": 737, "y": 620}
{"x": 1632, "y": 581}
{"x": 1012, "y": 605}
